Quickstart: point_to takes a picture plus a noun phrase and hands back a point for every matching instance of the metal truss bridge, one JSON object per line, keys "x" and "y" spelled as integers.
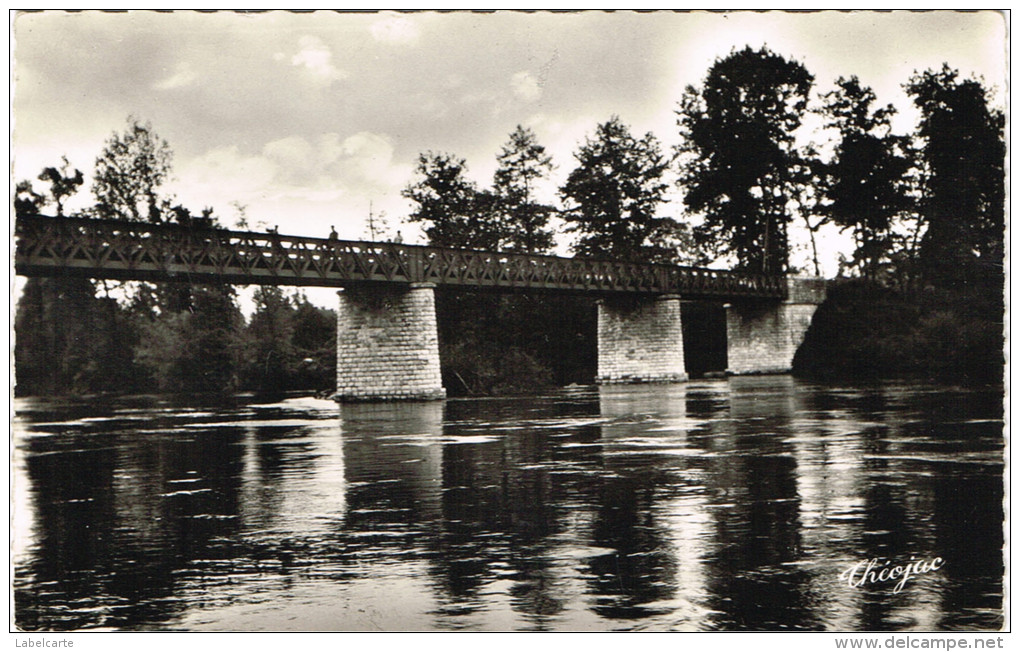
{"x": 115, "y": 249}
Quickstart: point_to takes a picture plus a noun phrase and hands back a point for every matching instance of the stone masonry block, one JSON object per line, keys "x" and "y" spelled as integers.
{"x": 640, "y": 340}
{"x": 763, "y": 337}
{"x": 387, "y": 344}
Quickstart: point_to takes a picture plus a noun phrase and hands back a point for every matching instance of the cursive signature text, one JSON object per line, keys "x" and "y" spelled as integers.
{"x": 875, "y": 571}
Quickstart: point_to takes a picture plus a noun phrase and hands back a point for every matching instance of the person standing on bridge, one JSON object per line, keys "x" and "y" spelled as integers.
{"x": 274, "y": 236}
{"x": 333, "y": 237}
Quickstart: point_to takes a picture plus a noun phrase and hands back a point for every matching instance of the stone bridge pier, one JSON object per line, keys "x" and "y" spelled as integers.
{"x": 763, "y": 336}
{"x": 640, "y": 340}
{"x": 387, "y": 344}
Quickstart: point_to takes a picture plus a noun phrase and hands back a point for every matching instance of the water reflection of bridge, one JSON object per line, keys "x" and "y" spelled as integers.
{"x": 728, "y": 505}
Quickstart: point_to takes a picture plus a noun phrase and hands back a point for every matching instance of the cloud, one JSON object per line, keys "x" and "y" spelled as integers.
{"x": 293, "y": 157}
{"x": 300, "y": 183}
{"x": 220, "y": 176}
{"x": 368, "y": 159}
{"x": 398, "y": 30}
{"x": 526, "y": 86}
{"x": 183, "y": 75}
{"x": 317, "y": 60}
{"x": 361, "y": 164}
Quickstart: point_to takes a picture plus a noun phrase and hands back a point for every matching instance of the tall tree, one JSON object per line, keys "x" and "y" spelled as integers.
{"x": 68, "y": 341}
{"x": 614, "y": 193}
{"x": 963, "y": 180}
{"x": 524, "y": 220}
{"x": 64, "y": 182}
{"x": 740, "y": 167}
{"x": 455, "y": 213}
{"x": 129, "y": 171}
{"x": 271, "y": 335}
{"x": 865, "y": 185}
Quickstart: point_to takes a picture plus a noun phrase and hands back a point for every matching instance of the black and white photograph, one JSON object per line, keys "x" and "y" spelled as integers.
{"x": 509, "y": 321}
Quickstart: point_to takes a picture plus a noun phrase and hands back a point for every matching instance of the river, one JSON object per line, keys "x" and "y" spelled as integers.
{"x": 730, "y": 504}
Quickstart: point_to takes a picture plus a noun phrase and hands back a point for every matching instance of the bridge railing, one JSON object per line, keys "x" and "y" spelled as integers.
{"x": 196, "y": 253}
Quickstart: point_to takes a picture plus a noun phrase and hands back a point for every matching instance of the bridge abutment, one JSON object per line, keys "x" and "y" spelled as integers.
{"x": 762, "y": 336}
{"x": 640, "y": 340}
{"x": 387, "y": 344}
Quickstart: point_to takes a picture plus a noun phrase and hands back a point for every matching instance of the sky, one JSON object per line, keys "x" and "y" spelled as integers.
{"x": 312, "y": 120}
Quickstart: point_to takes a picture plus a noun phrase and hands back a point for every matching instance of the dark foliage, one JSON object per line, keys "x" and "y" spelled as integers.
{"x": 963, "y": 159}
{"x": 704, "y": 328}
{"x": 129, "y": 172}
{"x": 314, "y": 342}
{"x": 500, "y": 343}
{"x": 514, "y": 343}
{"x": 453, "y": 211}
{"x": 740, "y": 168}
{"x": 197, "y": 349}
{"x": 291, "y": 344}
{"x": 27, "y": 201}
{"x": 64, "y": 182}
{"x": 865, "y": 187}
{"x": 613, "y": 196}
{"x": 950, "y": 326}
{"x": 67, "y": 340}
{"x": 865, "y": 330}
{"x": 523, "y": 221}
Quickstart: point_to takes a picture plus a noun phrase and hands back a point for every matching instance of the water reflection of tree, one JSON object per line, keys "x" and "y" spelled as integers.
{"x": 111, "y": 527}
{"x": 915, "y": 496}
{"x": 69, "y": 500}
{"x": 968, "y": 506}
{"x": 755, "y": 582}
{"x": 499, "y": 512}
{"x": 967, "y": 510}
{"x": 529, "y": 509}
{"x": 642, "y": 567}
{"x": 392, "y": 469}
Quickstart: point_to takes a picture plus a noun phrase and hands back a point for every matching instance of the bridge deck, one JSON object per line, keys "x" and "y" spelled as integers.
{"x": 113, "y": 249}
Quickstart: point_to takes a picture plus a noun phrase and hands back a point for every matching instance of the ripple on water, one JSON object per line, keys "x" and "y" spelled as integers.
{"x": 729, "y": 505}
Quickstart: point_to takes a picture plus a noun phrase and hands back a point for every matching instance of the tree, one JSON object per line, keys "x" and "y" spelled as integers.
{"x": 741, "y": 169}
{"x": 378, "y": 227}
{"x": 614, "y": 193}
{"x": 27, "y": 201}
{"x": 271, "y": 334}
{"x": 523, "y": 221}
{"x": 314, "y": 339}
{"x": 488, "y": 342}
{"x": 455, "y": 212}
{"x": 864, "y": 187}
{"x": 68, "y": 341}
{"x": 963, "y": 181}
{"x": 196, "y": 350}
{"x": 192, "y": 336}
{"x": 64, "y": 182}
{"x": 129, "y": 172}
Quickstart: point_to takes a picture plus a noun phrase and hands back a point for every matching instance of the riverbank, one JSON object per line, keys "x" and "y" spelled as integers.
{"x": 864, "y": 330}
